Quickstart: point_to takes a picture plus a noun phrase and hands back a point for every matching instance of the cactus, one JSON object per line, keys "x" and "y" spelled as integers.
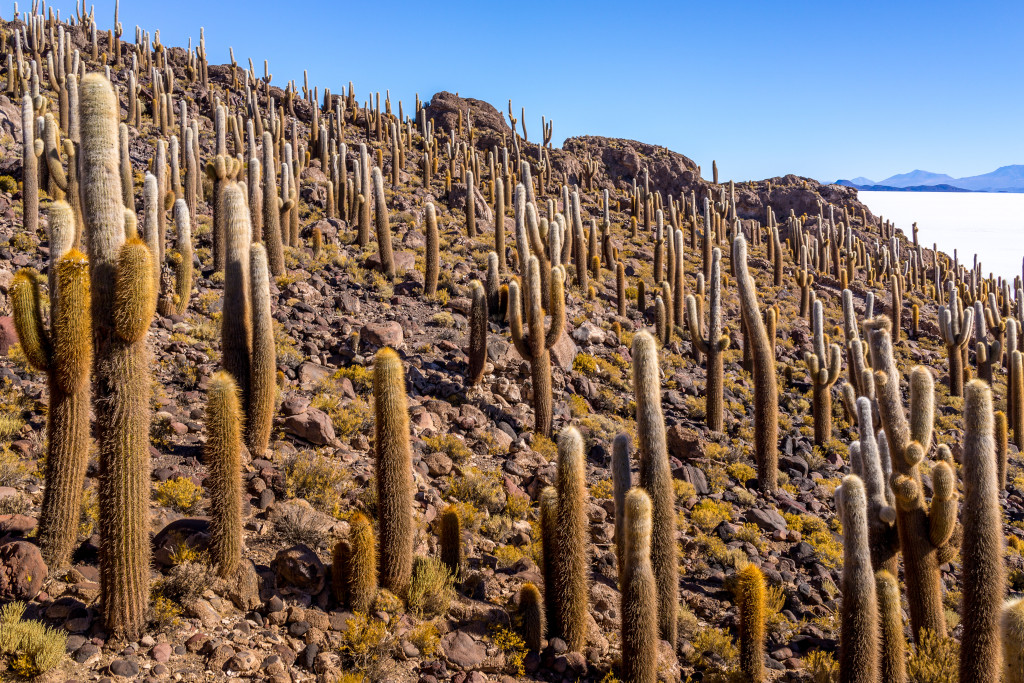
{"x": 492, "y": 288}
{"x": 1002, "y": 446}
{"x": 867, "y": 459}
{"x": 263, "y": 362}
{"x": 31, "y": 150}
{"x": 656, "y": 479}
{"x": 452, "y": 553}
{"x": 713, "y": 345}
{"x": 639, "y": 602}
{"x": 1013, "y": 641}
{"x": 66, "y": 354}
{"x": 181, "y": 257}
{"x": 750, "y": 598}
{"x": 354, "y": 571}
{"x": 236, "y": 321}
{"x": 1015, "y": 398}
{"x": 549, "y": 550}
{"x": 432, "y": 262}
{"x": 923, "y": 532}
{"x": 499, "y": 225}
{"x": 394, "y": 471}
{"x": 122, "y": 308}
{"x": 535, "y": 346}
{"x": 766, "y": 395}
{"x": 272, "y": 209}
{"x": 987, "y": 354}
{"x": 858, "y": 646}
{"x": 955, "y": 327}
{"x": 824, "y": 371}
{"x": 893, "y": 662}
{"x": 571, "y": 566}
{"x": 470, "y": 206}
{"x": 383, "y": 225}
{"x": 983, "y": 579}
{"x": 620, "y": 287}
{"x": 223, "y": 457}
{"x": 531, "y": 612}
{"x": 477, "y": 334}
{"x": 622, "y": 481}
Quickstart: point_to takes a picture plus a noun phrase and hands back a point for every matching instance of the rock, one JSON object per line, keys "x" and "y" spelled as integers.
{"x": 191, "y": 533}
{"x": 125, "y": 668}
{"x": 684, "y": 443}
{"x": 444, "y": 110}
{"x": 299, "y": 567}
{"x": 404, "y": 261}
{"x": 376, "y": 335}
{"x": 563, "y": 353}
{"x": 438, "y": 464}
{"x": 767, "y": 519}
{"x": 161, "y": 652}
{"x": 8, "y": 335}
{"x": 242, "y": 661}
{"x": 462, "y": 651}
{"x": 16, "y": 525}
{"x": 22, "y": 571}
{"x": 296, "y": 404}
{"x": 589, "y": 333}
{"x": 313, "y": 426}
{"x": 243, "y": 588}
{"x": 311, "y": 374}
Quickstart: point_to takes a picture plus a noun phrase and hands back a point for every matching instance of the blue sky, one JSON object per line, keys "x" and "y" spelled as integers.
{"x": 827, "y": 90}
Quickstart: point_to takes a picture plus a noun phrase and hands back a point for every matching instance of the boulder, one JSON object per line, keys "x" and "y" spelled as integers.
{"x": 299, "y": 567}
{"x": 22, "y": 571}
{"x": 313, "y": 426}
{"x": 376, "y": 335}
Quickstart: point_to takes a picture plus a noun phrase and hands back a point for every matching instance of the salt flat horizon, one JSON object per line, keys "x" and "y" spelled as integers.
{"x": 988, "y": 224}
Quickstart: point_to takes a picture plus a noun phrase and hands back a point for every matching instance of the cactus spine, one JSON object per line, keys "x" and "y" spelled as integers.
{"x": 571, "y": 566}
{"x": 394, "y": 471}
{"x": 122, "y": 307}
{"x": 477, "y": 334}
{"x": 535, "y": 346}
{"x": 750, "y": 598}
{"x": 713, "y": 345}
{"x": 639, "y": 603}
{"x": 223, "y": 456}
{"x": 858, "y": 647}
{"x": 983, "y": 580}
{"x": 66, "y": 354}
{"x": 656, "y": 479}
{"x": 766, "y": 394}
{"x": 824, "y": 371}
{"x": 923, "y": 531}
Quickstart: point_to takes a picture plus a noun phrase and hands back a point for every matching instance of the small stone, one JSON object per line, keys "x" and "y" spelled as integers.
{"x": 125, "y": 668}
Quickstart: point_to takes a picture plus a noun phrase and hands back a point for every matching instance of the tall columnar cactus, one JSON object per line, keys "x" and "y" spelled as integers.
{"x": 181, "y": 257}
{"x": 858, "y": 645}
{"x": 656, "y": 479}
{"x": 236, "y": 321}
{"x": 988, "y": 355}
{"x": 824, "y": 371}
{"x": 622, "y": 481}
{"x": 272, "y": 237}
{"x": 893, "y": 662}
{"x": 1002, "y": 447}
{"x": 713, "y": 345}
{"x": 571, "y": 567}
{"x": 983, "y": 580}
{"x": 499, "y": 224}
{"x": 433, "y": 248}
{"x": 1013, "y": 641}
{"x": 354, "y": 571}
{"x": 549, "y": 551}
{"x": 123, "y": 302}
{"x": 477, "y": 334}
{"x": 31, "y": 150}
{"x": 223, "y": 457}
{"x": 259, "y": 409}
{"x": 955, "y": 325}
{"x": 383, "y": 225}
{"x": 452, "y": 553}
{"x": 1015, "y": 397}
{"x": 867, "y": 460}
{"x": 766, "y": 394}
{"x": 639, "y": 602}
{"x": 363, "y": 233}
{"x": 66, "y": 355}
{"x": 535, "y": 345}
{"x": 394, "y": 471}
{"x": 470, "y": 205}
{"x": 750, "y": 598}
{"x": 924, "y": 531}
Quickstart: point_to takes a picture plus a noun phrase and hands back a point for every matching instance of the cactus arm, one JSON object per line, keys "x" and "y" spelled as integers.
{"x": 515, "y": 321}
{"x": 26, "y": 301}
{"x": 557, "y": 308}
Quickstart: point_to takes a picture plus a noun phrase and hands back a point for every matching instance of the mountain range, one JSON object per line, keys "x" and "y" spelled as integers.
{"x": 1003, "y": 179}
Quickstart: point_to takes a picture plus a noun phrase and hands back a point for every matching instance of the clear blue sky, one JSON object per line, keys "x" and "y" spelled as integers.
{"x": 824, "y": 89}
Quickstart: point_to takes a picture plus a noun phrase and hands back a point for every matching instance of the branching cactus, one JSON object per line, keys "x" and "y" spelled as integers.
{"x": 866, "y": 457}
{"x": 123, "y": 302}
{"x": 983, "y": 580}
{"x": 824, "y": 371}
{"x": 639, "y": 603}
{"x": 394, "y": 471}
{"x": 66, "y": 355}
{"x": 572, "y": 567}
{"x": 766, "y": 394}
{"x": 656, "y": 479}
{"x": 535, "y": 345}
{"x": 713, "y": 345}
{"x": 955, "y": 326}
{"x": 223, "y": 456}
{"x": 923, "y": 530}
{"x": 988, "y": 355}
{"x": 858, "y": 646}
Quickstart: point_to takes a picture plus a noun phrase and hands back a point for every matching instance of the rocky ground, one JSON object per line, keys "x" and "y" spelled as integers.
{"x": 474, "y": 447}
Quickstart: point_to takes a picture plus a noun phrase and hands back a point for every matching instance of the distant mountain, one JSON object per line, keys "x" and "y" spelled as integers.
{"x": 1003, "y": 179}
{"x": 944, "y": 187}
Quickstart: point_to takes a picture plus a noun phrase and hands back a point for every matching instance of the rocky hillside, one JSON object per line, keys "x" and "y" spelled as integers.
{"x": 347, "y": 562}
